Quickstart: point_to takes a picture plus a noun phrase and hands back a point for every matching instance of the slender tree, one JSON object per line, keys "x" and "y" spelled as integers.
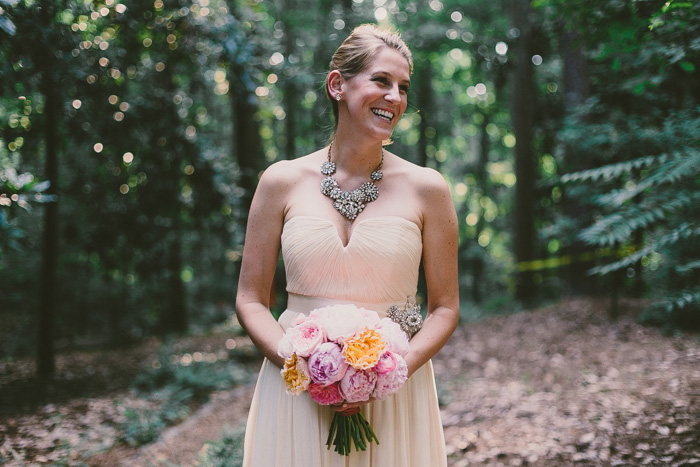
{"x": 523, "y": 116}
{"x": 49, "y": 87}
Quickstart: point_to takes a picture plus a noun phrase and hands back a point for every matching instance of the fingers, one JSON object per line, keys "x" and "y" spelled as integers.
{"x": 350, "y": 411}
{"x": 349, "y": 408}
{"x": 346, "y": 409}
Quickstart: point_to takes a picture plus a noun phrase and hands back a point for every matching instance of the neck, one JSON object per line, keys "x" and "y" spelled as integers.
{"x": 356, "y": 157}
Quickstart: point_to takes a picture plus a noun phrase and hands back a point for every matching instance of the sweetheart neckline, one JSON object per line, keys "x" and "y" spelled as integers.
{"x": 352, "y": 234}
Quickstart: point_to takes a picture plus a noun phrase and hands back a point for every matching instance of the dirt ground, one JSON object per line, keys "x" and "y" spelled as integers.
{"x": 557, "y": 386}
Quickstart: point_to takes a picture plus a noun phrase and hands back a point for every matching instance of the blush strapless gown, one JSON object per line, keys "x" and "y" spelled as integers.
{"x": 378, "y": 268}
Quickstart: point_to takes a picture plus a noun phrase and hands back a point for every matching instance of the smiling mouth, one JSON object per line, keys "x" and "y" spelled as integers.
{"x": 384, "y": 114}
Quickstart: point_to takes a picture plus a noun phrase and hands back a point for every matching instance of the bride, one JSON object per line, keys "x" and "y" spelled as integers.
{"x": 353, "y": 222}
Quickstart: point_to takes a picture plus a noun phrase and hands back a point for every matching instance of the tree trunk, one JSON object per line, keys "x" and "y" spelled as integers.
{"x": 247, "y": 146}
{"x": 523, "y": 115}
{"x": 577, "y": 85}
{"x": 45, "y": 358}
{"x": 577, "y": 90}
{"x": 176, "y": 292}
{"x": 482, "y": 181}
{"x": 425, "y": 106}
{"x": 291, "y": 99}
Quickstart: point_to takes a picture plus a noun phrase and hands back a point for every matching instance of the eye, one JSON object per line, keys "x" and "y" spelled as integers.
{"x": 381, "y": 79}
{"x": 404, "y": 88}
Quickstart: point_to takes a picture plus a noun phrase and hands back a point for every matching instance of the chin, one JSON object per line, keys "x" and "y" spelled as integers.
{"x": 384, "y": 135}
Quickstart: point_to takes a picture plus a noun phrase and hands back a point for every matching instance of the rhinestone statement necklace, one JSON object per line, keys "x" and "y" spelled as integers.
{"x": 349, "y": 203}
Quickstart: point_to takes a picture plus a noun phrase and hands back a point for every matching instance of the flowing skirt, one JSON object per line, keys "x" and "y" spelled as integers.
{"x": 291, "y": 431}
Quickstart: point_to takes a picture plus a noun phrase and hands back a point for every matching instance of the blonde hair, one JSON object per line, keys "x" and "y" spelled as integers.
{"x": 358, "y": 49}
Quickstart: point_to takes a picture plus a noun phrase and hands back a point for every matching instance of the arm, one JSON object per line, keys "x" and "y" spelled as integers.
{"x": 440, "y": 242}
{"x": 260, "y": 253}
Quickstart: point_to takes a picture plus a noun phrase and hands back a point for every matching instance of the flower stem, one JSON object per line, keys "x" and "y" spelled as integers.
{"x": 346, "y": 430}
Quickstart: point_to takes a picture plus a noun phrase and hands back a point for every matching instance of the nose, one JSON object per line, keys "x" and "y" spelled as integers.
{"x": 393, "y": 94}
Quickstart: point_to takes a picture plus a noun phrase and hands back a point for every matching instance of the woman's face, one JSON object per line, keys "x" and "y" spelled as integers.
{"x": 376, "y": 97}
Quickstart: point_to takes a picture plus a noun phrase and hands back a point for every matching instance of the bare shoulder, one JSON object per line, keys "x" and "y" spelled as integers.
{"x": 285, "y": 174}
{"x": 428, "y": 182}
{"x": 432, "y": 195}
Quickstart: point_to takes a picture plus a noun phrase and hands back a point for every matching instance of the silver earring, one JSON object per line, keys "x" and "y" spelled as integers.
{"x": 338, "y": 97}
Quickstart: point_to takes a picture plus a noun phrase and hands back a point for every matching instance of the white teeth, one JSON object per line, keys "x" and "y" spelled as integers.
{"x": 383, "y": 113}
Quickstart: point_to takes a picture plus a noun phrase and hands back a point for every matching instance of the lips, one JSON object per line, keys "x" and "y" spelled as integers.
{"x": 384, "y": 114}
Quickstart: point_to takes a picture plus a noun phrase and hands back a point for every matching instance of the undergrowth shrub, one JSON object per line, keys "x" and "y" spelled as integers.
{"x": 170, "y": 388}
{"x": 197, "y": 379}
{"x": 227, "y": 452}
{"x": 143, "y": 426}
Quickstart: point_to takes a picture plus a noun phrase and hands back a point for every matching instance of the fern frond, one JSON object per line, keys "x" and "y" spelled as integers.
{"x": 683, "y": 164}
{"x": 612, "y": 171}
{"x": 683, "y": 232}
{"x": 678, "y": 302}
{"x": 617, "y": 227}
{"x": 688, "y": 267}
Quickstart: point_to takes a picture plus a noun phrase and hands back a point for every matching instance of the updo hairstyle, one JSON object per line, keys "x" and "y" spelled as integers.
{"x": 358, "y": 49}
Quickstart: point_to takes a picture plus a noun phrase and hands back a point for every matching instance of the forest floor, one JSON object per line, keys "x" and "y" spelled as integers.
{"x": 556, "y": 386}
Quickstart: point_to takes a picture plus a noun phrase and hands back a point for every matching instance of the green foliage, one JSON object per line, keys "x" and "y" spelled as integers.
{"x": 227, "y": 452}
{"x": 144, "y": 425}
{"x": 150, "y": 210}
{"x": 674, "y": 312}
{"x": 170, "y": 388}
{"x": 196, "y": 379}
{"x": 639, "y": 132}
{"x": 17, "y": 191}
{"x": 151, "y": 181}
{"x": 660, "y": 198}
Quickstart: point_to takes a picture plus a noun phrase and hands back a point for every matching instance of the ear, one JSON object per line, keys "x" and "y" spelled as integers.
{"x": 335, "y": 82}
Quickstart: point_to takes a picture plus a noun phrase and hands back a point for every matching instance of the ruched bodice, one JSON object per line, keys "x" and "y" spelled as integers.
{"x": 379, "y": 264}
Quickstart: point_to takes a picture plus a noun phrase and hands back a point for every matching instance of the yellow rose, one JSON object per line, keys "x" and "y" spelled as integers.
{"x": 363, "y": 350}
{"x": 295, "y": 375}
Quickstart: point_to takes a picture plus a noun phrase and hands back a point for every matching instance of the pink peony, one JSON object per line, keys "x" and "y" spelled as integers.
{"x": 357, "y": 385}
{"x": 395, "y": 338}
{"x": 327, "y": 364}
{"x": 389, "y": 383}
{"x": 341, "y": 321}
{"x": 387, "y": 362}
{"x": 325, "y": 395}
{"x": 369, "y": 317}
{"x": 306, "y": 336}
{"x": 298, "y": 319}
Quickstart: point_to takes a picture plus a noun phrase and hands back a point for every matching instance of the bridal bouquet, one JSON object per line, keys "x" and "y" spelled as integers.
{"x": 339, "y": 354}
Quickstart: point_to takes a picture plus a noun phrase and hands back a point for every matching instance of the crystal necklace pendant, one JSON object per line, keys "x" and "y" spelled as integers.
{"x": 349, "y": 203}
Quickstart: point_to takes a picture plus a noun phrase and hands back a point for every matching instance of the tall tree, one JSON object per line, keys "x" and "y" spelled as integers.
{"x": 523, "y": 91}
{"x": 46, "y": 365}
{"x": 247, "y": 144}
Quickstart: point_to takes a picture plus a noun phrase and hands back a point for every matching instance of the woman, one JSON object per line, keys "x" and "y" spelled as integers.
{"x": 341, "y": 246}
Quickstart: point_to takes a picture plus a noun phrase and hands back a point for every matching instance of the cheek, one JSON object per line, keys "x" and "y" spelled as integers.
{"x": 404, "y": 106}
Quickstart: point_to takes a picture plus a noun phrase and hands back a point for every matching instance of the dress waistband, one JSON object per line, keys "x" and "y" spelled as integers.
{"x": 305, "y": 304}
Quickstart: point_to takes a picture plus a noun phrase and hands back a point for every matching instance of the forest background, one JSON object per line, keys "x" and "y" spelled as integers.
{"x": 132, "y": 135}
